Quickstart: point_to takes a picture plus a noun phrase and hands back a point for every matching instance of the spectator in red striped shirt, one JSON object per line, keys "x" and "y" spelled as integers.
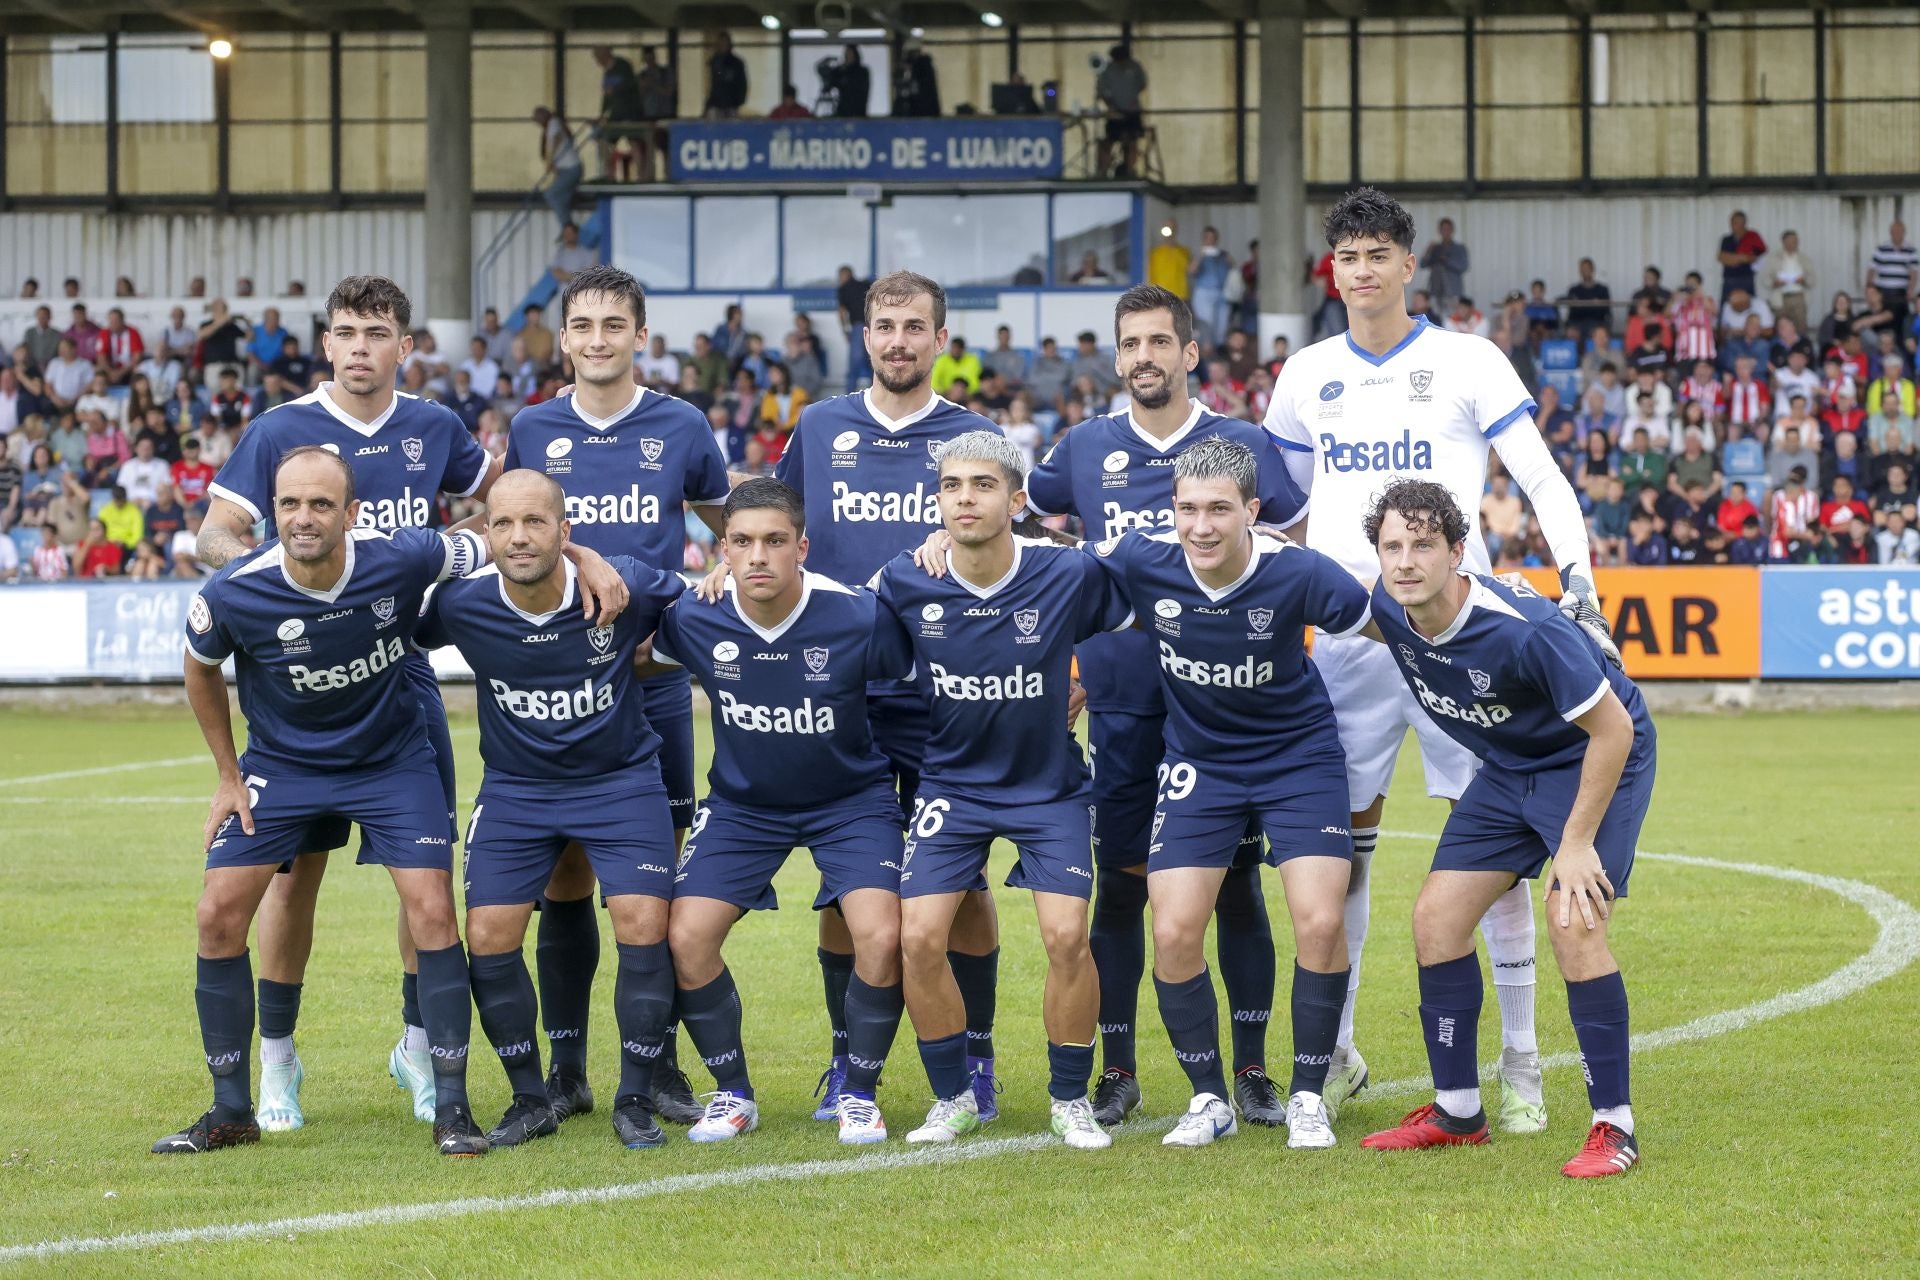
{"x": 1704, "y": 388}
{"x": 1748, "y": 401}
{"x": 50, "y": 558}
{"x": 1795, "y": 511}
{"x": 1695, "y": 318}
{"x": 121, "y": 348}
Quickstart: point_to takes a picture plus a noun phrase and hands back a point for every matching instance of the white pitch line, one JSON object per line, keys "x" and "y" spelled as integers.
{"x": 1895, "y": 948}
{"x": 399, "y": 1215}
{"x": 85, "y": 801}
{"x": 129, "y": 766}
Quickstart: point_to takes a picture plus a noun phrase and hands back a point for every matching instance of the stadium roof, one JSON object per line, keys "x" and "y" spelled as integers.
{"x": 66, "y": 17}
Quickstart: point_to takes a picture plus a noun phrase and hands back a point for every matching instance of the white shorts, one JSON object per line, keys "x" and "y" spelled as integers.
{"x": 1374, "y": 708}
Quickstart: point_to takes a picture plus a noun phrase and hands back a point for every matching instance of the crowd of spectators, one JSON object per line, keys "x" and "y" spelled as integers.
{"x": 1730, "y": 423}
{"x": 1697, "y": 426}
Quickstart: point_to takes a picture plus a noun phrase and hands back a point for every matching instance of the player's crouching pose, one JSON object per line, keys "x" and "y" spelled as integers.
{"x": 1249, "y": 735}
{"x": 569, "y": 757}
{"x": 317, "y": 624}
{"x": 785, "y": 657}
{"x": 995, "y": 640}
{"x": 1568, "y": 765}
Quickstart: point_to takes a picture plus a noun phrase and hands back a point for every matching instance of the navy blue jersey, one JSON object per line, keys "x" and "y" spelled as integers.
{"x": 789, "y": 705}
{"x": 1509, "y": 677}
{"x": 557, "y": 697}
{"x": 1233, "y": 662}
{"x": 1116, "y": 477}
{"x": 870, "y": 484}
{"x": 997, "y": 661}
{"x": 319, "y": 672}
{"x": 625, "y": 476}
{"x": 402, "y": 461}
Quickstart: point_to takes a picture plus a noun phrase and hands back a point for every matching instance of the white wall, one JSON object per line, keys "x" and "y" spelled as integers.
{"x": 1513, "y": 239}
{"x": 162, "y": 252}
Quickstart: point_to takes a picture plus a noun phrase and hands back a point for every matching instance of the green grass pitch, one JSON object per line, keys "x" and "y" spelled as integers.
{"x": 1771, "y": 1146}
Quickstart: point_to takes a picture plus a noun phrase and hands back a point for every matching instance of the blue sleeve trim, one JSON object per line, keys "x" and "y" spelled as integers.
{"x": 1295, "y": 445}
{"x": 1521, "y": 410}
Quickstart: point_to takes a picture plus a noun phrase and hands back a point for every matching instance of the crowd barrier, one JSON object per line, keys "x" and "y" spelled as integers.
{"x": 1775, "y": 623}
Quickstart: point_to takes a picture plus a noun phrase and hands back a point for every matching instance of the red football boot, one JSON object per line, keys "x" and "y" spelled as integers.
{"x": 1429, "y": 1126}
{"x": 1607, "y": 1151}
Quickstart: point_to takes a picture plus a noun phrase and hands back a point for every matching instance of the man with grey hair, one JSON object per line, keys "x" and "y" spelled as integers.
{"x": 1250, "y": 735}
{"x": 995, "y": 640}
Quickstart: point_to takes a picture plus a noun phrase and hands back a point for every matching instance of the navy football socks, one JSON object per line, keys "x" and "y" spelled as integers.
{"x": 978, "y": 978}
{"x": 446, "y": 1002}
{"x": 1118, "y": 939}
{"x": 1244, "y": 948}
{"x": 946, "y": 1062}
{"x": 642, "y": 1006}
{"x": 1069, "y": 1068}
{"x": 223, "y": 993}
{"x": 567, "y": 953}
{"x": 1317, "y": 1001}
{"x": 1599, "y": 1010}
{"x": 1451, "y": 994}
{"x": 873, "y": 1018}
{"x": 503, "y": 993}
{"x": 279, "y": 1009}
{"x": 835, "y": 972}
{"x": 711, "y": 1015}
{"x": 1191, "y": 1013}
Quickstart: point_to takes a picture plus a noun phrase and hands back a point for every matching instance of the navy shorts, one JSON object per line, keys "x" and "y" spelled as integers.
{"x": 733, "y": 851}
{"x": 947, "y": 845}
{"x": 1512, "y": 822}
{"x": 517, "y": 833}
{"x": 403, "y": 821}
{"x": 1205, "y": 808}
{"x": 902, "y": 720}
{"x": 669, "y": 704}
{"x": 1126, "y": 752}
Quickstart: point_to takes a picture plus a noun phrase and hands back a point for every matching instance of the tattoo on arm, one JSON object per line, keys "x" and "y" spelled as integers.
{"x": 217, "y": 546}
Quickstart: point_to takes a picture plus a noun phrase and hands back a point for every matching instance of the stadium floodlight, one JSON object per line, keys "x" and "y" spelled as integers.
{"x": 770, "y": 21}
{"x": 992, "y": 19}
{"x": 221, "y": 48}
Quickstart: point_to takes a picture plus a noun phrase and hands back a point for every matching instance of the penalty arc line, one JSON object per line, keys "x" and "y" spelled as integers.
{"x": 1895, "y": 948}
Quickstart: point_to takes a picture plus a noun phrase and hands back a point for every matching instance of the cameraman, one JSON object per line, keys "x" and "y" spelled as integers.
{"x": 1118, "y": 88}
{"x": 851, "y": 83}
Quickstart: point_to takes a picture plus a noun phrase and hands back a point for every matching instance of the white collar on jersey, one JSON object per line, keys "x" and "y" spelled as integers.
{"x": 1420, "y": 325}
{"x": 896, "y": 424}
{"x": 276, "y": 558}
{"x": 541, "y": 619}
{"x": 1477, "y": 597}
{"x": 1262, "y": 545}
{"x": 770, "y": 636}
{"x": 1180, "y": 433}
{"x": 606, "y": 424}
{"x": 1013, "y": 571}
{"x": 320, "y": 397}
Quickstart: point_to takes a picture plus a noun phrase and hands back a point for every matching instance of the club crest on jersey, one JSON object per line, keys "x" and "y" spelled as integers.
{"x": 559, "y": 447}
{"x": 1332, "y": 391}
{"x": 292, "y": 629}
{"x": 650, "y": 449}
{"x": 1026, "y": 620}
{"x": 601, "y": 638}
{"x": 816, "y": 659}
{"x": 383, "y": 609}
{"x": 726, "y": 660}
{"x": 931, "y": 621}
{"x": 1482, "y": 682}
{"x": 1114, "y": 462}
{"x": 1260, "y": 619}
{"x": 1406, "y": 656}
{"x": 413, "y": 447}
{"x": 1420, "y": 380}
